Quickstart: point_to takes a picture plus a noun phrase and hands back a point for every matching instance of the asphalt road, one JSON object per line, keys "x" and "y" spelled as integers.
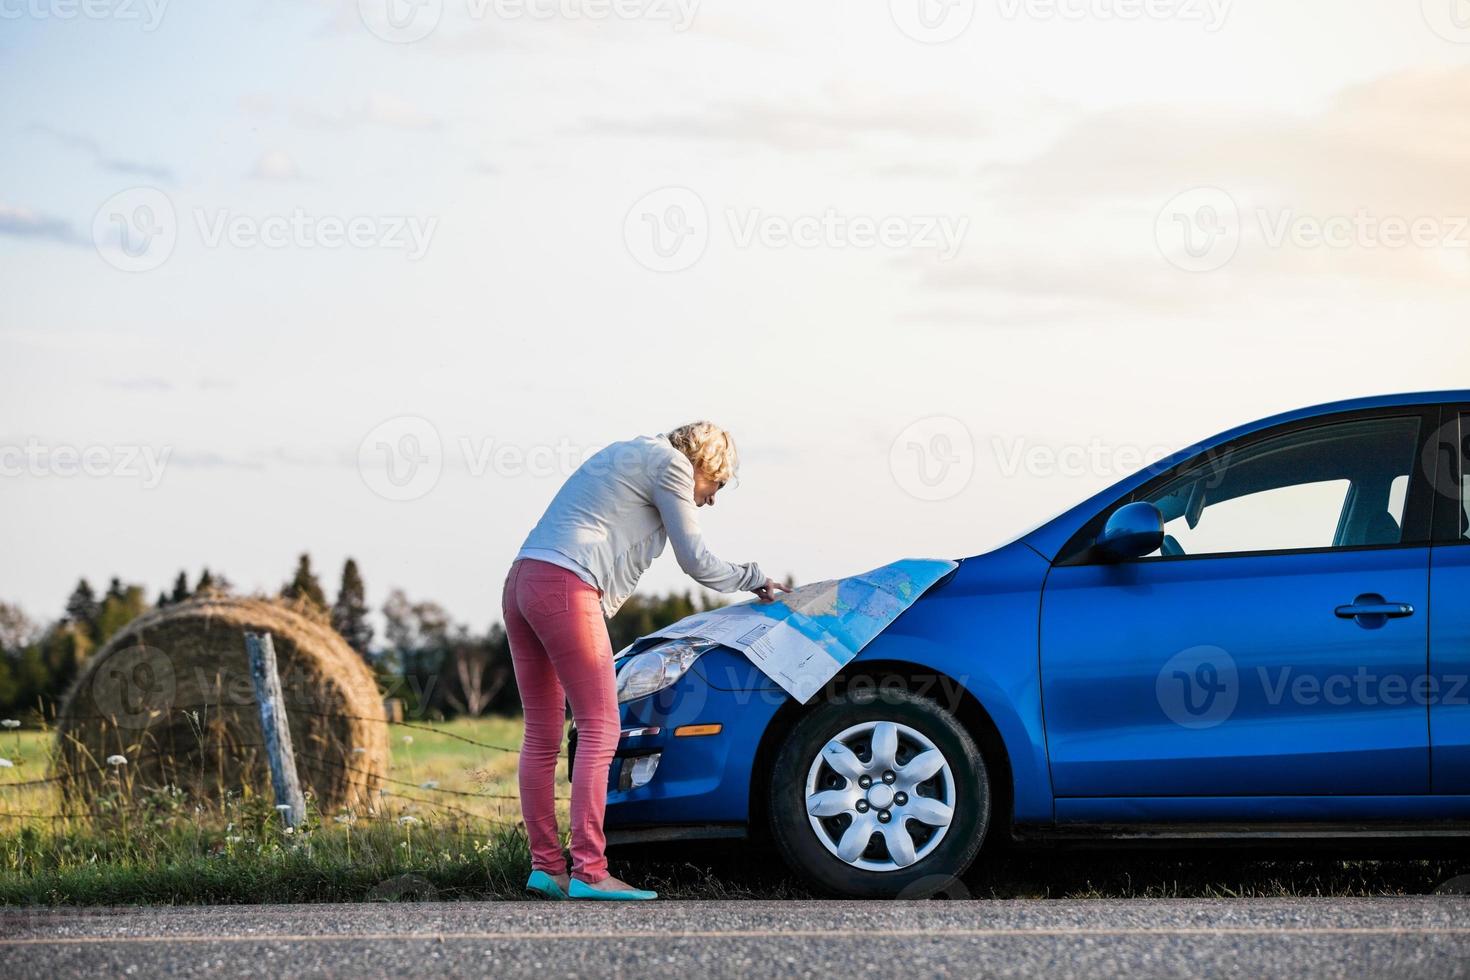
{"x": 1400, "y": 937}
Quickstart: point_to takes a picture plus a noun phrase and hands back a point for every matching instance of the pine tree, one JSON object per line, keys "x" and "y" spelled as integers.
{"x": 349, "y": 613}
{"x": 120, "y": 608}
{"x": 161, "y": 601}
{"x": 206, "y": 583}
{"x": 181, "y": 588}
{"x": 304, "y": 585}
{"x": 82, "y": 607}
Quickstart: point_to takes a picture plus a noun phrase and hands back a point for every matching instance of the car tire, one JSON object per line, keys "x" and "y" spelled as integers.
{"x": 833, "y": 751}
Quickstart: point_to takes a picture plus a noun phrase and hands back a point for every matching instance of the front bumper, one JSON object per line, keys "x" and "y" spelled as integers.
{"x": 701, "y": 787}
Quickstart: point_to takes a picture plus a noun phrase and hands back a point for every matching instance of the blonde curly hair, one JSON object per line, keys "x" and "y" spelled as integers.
{"x": 709, "y": 447}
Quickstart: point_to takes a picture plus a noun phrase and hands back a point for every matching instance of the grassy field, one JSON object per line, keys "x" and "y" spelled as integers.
{"x": 424, "y": 838}
{"x": 428, "y": 842}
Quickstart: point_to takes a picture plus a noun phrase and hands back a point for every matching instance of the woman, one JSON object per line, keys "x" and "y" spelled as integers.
{"x": 580, "y": 563}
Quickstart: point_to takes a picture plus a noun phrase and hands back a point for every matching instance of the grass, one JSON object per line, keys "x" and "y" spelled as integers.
{"x": 425, "y": 841}
{"x": 159, "y": 847}
{"x": 427, "y": 844}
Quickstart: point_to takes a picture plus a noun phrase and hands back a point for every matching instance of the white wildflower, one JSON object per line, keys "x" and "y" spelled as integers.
{"x": 408, "y": 740}
{"x": 9, "y": 723}
{"x": 6, "y": 764}
{"x": 117, "y": 760}
{"x": 408, "y": 820}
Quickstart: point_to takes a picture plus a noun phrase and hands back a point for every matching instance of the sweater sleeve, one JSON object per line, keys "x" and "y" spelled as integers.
{"x": 673, "y": 495}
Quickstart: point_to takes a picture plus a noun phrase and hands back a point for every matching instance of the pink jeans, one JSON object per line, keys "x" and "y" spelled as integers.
{"x": 561, "y": 652}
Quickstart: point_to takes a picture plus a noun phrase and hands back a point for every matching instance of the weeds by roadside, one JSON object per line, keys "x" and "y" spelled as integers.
{"x": 422, "y": 843}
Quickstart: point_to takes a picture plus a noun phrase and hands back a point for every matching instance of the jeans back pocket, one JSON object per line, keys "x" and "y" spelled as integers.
{"x": 544, "y": 596}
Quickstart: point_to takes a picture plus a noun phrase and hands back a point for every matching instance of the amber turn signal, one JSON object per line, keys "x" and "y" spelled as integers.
{"x": 683, "y": 730}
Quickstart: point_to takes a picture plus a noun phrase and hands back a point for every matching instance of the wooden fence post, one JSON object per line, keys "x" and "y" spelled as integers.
{"x": 273, "y": 724}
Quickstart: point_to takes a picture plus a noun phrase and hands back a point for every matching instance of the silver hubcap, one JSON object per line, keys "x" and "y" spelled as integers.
{"x": 880, "y": 796}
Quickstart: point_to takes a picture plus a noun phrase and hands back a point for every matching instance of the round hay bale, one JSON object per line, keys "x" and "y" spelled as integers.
{"x": 172, "y": 694}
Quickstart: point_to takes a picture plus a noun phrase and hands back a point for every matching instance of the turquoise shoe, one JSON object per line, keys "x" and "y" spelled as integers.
{"x": 583, "y": 890}
{"x": 544, "y": 885}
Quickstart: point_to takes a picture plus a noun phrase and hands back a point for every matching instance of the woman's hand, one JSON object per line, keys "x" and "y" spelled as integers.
{"x": 767, "y": 592}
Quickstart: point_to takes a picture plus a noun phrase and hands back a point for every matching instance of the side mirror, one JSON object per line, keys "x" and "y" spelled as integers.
{"x": 1132, "y": 531}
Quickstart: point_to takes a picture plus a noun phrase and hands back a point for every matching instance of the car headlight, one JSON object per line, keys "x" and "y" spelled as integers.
{"x": 653, "y": 670}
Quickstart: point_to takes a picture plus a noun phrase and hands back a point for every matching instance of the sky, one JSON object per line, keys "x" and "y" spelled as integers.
{"x": 368, "y": 278}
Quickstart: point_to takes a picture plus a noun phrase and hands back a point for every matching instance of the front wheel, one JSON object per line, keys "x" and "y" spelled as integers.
{"x": 880, "y": 794}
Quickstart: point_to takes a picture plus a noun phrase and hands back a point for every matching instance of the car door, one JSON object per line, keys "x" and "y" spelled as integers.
{"x": 1268, "y": 649}
{"x": 1449, "y": 630}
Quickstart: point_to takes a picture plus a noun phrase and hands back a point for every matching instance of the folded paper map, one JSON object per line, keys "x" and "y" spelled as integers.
{"x": 806, "y": 636}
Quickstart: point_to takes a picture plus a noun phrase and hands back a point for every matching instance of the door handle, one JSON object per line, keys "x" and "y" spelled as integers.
{"x": 1371, "y": 610}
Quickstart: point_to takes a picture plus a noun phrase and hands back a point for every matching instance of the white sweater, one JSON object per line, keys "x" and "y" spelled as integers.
{"x": 614, "y": 514}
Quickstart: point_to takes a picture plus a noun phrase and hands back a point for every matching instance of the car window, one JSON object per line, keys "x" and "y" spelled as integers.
{"x": 1398, "y": 493}
{"x": 1338, "y": 485}
{"x": 1301, "y": 516}
{"x": 1465, "y": 477}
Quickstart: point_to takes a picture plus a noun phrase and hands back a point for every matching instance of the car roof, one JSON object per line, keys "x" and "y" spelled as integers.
{"x": 1049, "y": 538}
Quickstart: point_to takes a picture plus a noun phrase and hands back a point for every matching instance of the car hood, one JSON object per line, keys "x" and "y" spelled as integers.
{"x": 806, "y": 636}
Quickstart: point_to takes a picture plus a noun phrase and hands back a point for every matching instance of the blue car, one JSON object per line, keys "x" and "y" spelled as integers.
{"x": 1266, "y": 634}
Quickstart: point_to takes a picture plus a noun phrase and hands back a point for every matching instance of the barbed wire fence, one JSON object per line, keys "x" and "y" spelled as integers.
{"x": 61, "y": 779}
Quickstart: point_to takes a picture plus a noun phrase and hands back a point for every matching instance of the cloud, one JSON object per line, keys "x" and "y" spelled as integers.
{"x": 211, "y": 460}
{"x": 1072, "y": 232}
{"x": 139, "y": 384}
{"x": 90, "y": 147}
{"x": 25, "y": 223}
{"x": 154, "y": 383}
{"x": 89, "y": 342}
{"x": 275, "y": 165}
{"x": 262, "y": 458}
{"x": 913, "y": 169}
{"x": 991, "y": 317}
{"x": 396, "y": 113}
{"x": 1073, "y": 279}
{"x": 376, "y": 109}
{"x": 1402, "y": 141}
{"x": 736, "y": 30}
{"x": 842, "y": 117}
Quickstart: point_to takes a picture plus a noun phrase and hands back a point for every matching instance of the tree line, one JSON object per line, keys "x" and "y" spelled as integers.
{"x": 439, "y": 668}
